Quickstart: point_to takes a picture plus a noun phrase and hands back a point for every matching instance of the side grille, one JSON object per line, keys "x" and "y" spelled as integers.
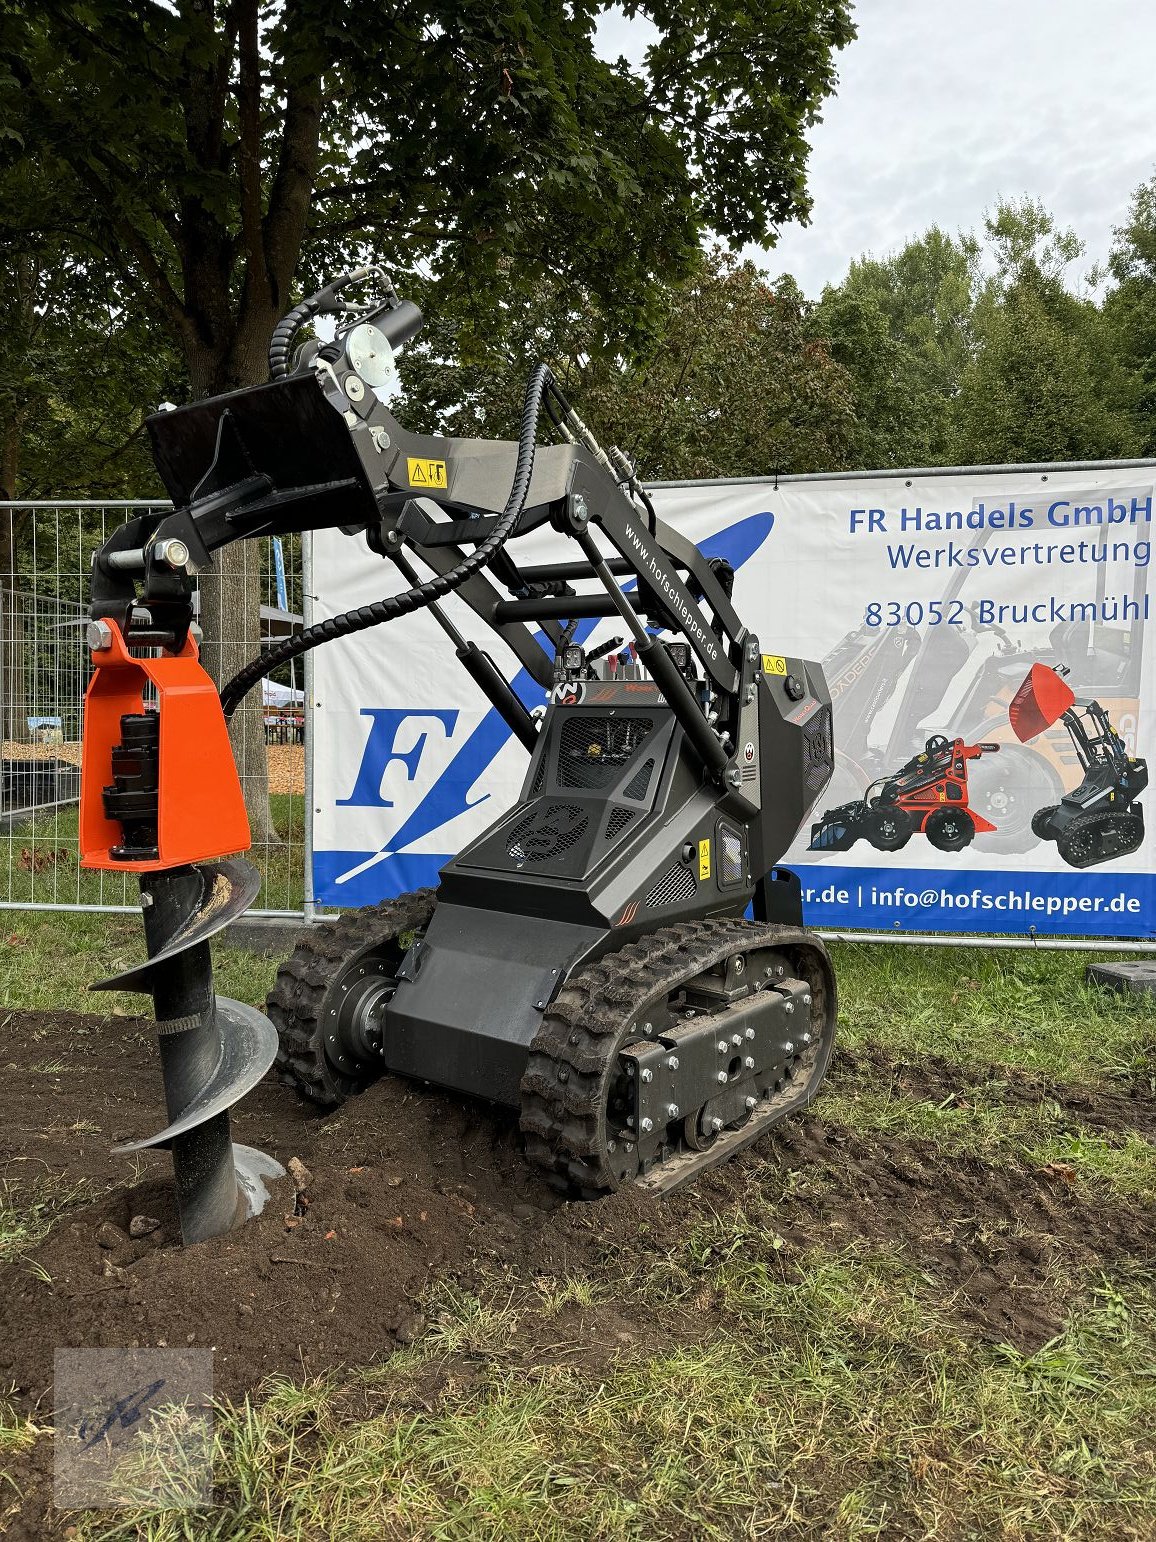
{"x": 818, "y": 751}
{"x": 593, "y": 750}
{"x": 639, "y": 782}
{"x": 618, "y": 821}
{"x": 547, "y": 832}
{"x": 676, "y": 883}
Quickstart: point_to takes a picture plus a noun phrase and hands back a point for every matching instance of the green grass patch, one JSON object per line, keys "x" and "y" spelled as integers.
{"x": 48, "y": 959}
{"x": 29, "y": 1210}
{"x": 835, "y": 1404}
{"x": 1008, "y": 1006}
{"x": 979, "y": 1124}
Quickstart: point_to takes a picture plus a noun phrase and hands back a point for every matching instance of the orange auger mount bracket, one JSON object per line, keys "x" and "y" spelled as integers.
{"x": 200, "y": 812}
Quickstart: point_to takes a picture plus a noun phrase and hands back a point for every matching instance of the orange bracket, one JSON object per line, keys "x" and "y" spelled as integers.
{"x": 201, "y": 812}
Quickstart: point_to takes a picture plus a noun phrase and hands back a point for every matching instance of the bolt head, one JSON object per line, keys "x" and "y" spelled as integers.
{"x": 715, "y": 1126}
{"x": 788, "y": 1048}
{"x": 807, "y": 999}
{"x": 749, "y": 1062}
{"x": 672, "y": 1110}
{"x": 750, "y": 1033}
{"x": 173, "y": 553}
{"x": 806, "y": 1037}
{"x": 672, "y": 1063}
{"x": 788, "y": 1006}
{"x": 735, "y": 777}
{"x": 736, "y": 1039}
{"x": 723, "y": 1046}
{"x": 722, "y": 1078}
{"x": 646, "y": 1126}
{"x": 750, "y": 1103}
{"x": 646, "y": 1074}
{"x": 354, "y": 387}
{"x": 99, "y": 635}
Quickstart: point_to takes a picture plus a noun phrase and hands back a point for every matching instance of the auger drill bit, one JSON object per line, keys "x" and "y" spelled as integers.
{"x": 212, "y": 1050}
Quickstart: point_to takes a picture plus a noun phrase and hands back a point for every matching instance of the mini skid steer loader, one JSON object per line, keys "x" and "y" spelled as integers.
{"x": 587, "y": 959}
{"x": 928, "y": 794}
{"x": 1101, "y": 818}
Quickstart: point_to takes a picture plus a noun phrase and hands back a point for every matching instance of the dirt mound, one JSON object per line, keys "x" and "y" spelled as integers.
{"x": 407, "y": 1183}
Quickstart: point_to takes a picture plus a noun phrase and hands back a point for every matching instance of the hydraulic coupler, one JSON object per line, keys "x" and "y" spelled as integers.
{"x": 212, "y": 1050}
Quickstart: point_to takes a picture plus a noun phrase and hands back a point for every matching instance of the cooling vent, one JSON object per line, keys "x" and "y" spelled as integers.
{"x": 818, "y": 751}
{"x": 618, "y": 821}
{"x": 593, "y": 750}
{"x": 539, "y": 778}
{"x": 730, "y": 855}
{"x": 676, "y": 884}
{"x": 547, "y": 832}
{"x": 639, "y": 782}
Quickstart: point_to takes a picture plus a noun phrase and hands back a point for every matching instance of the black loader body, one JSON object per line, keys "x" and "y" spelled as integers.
{"x": 586, "y": 959}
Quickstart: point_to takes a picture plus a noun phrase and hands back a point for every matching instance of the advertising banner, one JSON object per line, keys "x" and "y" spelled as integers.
{"x": 984, "y": 636}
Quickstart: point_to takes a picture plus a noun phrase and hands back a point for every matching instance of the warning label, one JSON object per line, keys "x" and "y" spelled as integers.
{"x": 704, "y": 860}
{"x": 425, "y": 473}
{"x": 774, "y": 664}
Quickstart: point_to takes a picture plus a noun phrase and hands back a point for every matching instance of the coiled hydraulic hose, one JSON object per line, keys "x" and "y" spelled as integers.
{"x": 422, "y": 594}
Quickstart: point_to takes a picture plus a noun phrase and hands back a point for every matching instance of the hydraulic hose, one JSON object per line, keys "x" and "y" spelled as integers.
{"x": 421, "y": 595}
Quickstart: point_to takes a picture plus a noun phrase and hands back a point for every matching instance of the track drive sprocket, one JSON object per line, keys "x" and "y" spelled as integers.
{"x": 329, "y": 997}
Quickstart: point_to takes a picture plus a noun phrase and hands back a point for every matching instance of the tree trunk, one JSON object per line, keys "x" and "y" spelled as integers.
{"x": 231, "y": 616}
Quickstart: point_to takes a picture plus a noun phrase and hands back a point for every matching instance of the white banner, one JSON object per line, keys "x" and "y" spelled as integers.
{"x": 928, "y": 596}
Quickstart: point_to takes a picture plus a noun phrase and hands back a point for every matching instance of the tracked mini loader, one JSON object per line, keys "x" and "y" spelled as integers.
{"x": 588, "y": 959}
{"x": 1101, "y": 818}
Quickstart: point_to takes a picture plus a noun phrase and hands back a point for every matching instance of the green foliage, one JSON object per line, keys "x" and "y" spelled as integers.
{"x": 734, "y": 383}
{"x": 972, "y": 351}
{"x": 902, "y": 327}
{"x": 1130, "y": 308}
{"x": 1044, "y": 382}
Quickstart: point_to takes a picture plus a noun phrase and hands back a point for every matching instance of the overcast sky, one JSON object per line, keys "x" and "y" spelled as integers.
{"x": 944, "y": 107}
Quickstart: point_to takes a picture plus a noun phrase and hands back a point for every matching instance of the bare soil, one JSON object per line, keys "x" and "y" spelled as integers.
{"x": 409, "y": 1184}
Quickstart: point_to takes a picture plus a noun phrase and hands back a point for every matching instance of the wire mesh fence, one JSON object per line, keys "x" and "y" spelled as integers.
{"x": 45, "y": 559}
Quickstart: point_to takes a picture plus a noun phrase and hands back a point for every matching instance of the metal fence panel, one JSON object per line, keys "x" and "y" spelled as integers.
{"x": 46, "y": 551}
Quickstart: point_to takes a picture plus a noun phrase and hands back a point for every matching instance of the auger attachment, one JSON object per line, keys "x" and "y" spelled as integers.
{"x": 212, "y": 1050}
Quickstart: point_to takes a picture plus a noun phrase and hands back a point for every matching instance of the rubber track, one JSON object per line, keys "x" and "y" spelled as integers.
{"x": 564, "y": 1085}
{"x": 297, "y": 999}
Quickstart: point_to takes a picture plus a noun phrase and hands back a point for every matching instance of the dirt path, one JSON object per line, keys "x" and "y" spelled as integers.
{"x": 408, "y": 1183}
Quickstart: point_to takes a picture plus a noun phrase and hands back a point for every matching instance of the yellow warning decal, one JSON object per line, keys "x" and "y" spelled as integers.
{"x": 774, "y": 664}
{"x": 704, "y": 859}
{"x": 425, "y": 473}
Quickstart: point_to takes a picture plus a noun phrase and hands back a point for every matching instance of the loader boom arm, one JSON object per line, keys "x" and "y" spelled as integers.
{"x": 319, "y": 450}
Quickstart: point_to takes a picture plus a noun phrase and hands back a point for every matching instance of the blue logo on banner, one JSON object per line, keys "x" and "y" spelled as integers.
{"x": 363, "y": 877}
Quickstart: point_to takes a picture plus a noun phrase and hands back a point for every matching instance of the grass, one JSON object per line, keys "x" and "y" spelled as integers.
{"x": 839, "y": 1404}
{"x": 30, "y": 1208}
{"x": 1031, "y": 1010}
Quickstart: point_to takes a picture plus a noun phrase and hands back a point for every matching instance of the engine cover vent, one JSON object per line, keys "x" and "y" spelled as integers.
{"x": 547, "y": 831}
{"x": 818, "y": 751}
{"x": 618, "y": 821}
{"x": 637, "y": 786}
{"x": 593, "y": 750}
{"x": 677, "y": 883}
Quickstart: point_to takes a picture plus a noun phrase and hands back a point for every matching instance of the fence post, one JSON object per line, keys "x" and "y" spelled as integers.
{"x": 309, "y": 906}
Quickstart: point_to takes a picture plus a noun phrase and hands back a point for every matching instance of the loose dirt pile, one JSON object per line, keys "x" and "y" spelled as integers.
{"x": 405, "y": 1184}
